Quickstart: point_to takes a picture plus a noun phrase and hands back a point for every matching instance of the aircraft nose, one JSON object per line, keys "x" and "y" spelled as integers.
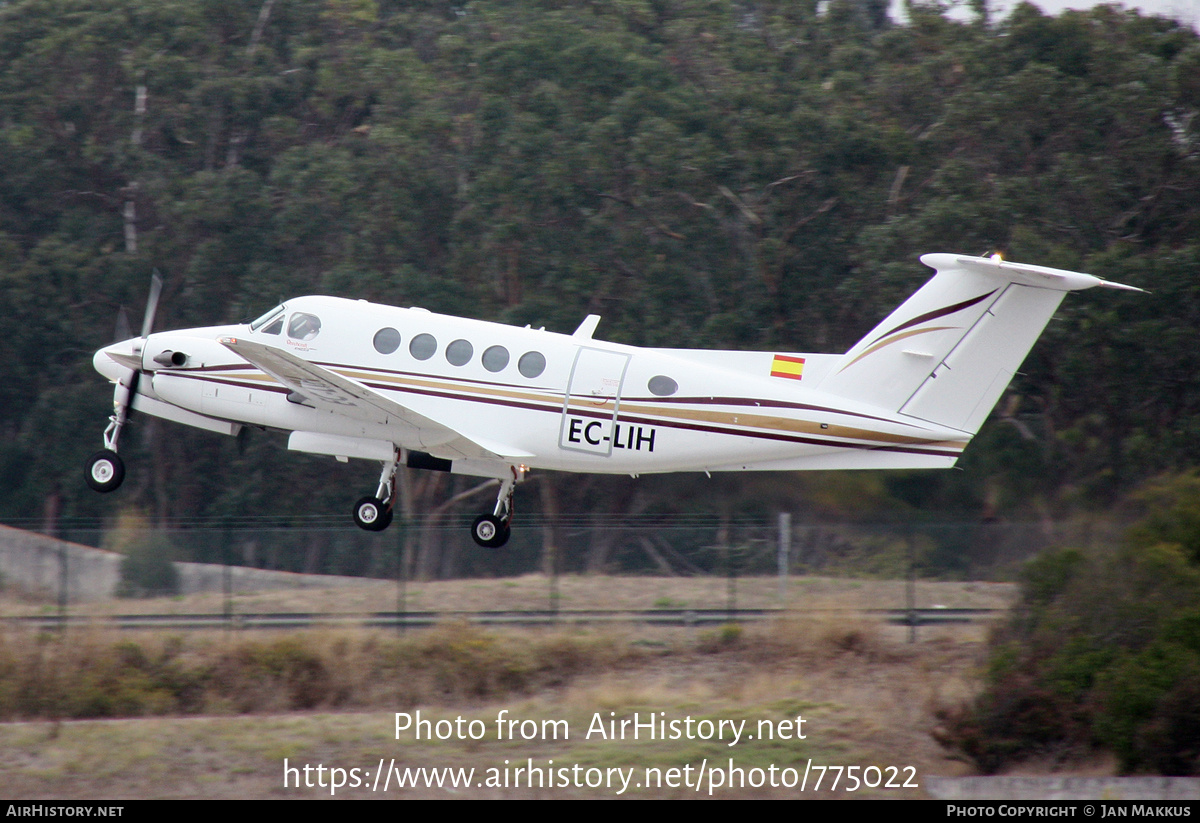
{"x": 116, "y": 360}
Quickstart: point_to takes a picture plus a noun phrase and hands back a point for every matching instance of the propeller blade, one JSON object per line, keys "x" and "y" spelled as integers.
{"x": 129, "y": 361}
{"x": 122, "y": 331}
{"x": 152, "y": 304}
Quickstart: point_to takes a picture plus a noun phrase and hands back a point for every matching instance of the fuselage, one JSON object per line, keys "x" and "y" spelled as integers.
{"x": 565, "y": 402}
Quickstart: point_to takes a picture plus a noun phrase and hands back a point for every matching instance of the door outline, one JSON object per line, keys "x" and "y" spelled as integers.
{"x": 602, "y": 370}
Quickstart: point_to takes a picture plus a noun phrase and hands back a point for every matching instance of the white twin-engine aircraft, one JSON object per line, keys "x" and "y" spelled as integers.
{"x": 408, "y": 387}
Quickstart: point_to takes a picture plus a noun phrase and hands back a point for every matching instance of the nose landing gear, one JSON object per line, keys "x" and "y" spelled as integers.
{"x": 105, "y": 471}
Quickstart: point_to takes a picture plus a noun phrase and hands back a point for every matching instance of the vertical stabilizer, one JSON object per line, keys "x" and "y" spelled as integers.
{"x": 947, "y": 354}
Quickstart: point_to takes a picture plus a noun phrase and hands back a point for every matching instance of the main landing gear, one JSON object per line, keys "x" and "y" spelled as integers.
{"x": 375, "y": 513}
{"x": 491, "y": 530}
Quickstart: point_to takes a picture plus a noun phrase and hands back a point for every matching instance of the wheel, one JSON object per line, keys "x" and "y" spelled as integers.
{"x": 104, "y": 471}
{"x": 371, "y": 514}
{"x": 490, "y": 531}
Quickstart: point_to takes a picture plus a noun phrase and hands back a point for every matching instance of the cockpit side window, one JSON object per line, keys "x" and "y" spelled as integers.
{"x": 304, "y": 326}
{"x": 274, "y": 327}
{"x": 257, "y": 324}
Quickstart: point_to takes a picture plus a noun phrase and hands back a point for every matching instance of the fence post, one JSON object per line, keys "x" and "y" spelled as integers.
{"x": 784, "y": 554}
{"x": 63, "y": 582}
{"x": 911, "y": 588}
{"x": 402, "y": 574}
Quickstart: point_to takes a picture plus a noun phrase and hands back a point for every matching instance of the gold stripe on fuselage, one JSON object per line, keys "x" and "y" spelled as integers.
{"x": 551, "y": 401}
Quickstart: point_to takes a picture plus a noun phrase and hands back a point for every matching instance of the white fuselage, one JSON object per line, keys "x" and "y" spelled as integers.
{"x": 546, "y": 400}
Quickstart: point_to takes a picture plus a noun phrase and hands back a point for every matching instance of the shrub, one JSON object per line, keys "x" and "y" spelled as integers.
{"x": 146, "y": 570}
{"x": 1102, "y": 652}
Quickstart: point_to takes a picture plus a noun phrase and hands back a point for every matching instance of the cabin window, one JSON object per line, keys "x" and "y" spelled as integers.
{"x": 495, "y": 358}
{"x": 662, "y": 386}
{"x": 423, "y": 346}
{"x": 459, "y": 352}
{"x": 304, "y": 326}
{"x": 386, "y": 341}
{"x": 278, "y": 310}
{"x": 531, "y": 364}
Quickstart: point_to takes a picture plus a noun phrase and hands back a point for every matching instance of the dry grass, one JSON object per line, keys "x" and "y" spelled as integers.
{"x": 575, "y": 592}
{"x": 868, "y": 697}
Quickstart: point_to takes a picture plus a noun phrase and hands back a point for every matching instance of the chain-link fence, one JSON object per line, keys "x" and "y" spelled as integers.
{"x": 669, "y": 545}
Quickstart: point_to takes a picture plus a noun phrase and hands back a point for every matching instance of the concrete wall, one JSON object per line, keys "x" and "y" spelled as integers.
{"x": 33, "y": 562}
{"x": 209, "y": 577}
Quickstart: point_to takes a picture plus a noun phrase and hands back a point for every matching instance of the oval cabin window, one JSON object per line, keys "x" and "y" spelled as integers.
{"x": 459, "y": 352}
{"x": 386, "y": 340}
{"x": 531, "y": 364}
{"x": 423, "y": 346}
{"x": 662, "y": 386}
{"x": 495, "y": 358}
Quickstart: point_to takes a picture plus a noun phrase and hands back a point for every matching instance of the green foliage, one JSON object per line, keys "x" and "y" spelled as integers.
{"x": 1150, "y": 715}
{"x": 147, "y": 569}
{"x": 1171, "y": 514}
{"x": 749, "y": 175}
{"x": 1102, "y": 652}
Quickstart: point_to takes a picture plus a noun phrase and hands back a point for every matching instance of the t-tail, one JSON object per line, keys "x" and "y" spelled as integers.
{"x": 946, "y": 355}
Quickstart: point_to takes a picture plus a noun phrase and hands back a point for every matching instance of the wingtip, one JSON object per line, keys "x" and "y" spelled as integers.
{"x": 1108, "y": 284}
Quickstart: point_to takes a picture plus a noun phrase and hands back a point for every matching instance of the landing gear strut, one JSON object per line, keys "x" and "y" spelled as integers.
{"x": 374, "y": 514}
{"x": 491, "y": 530}
{"x": 105, "y": 471}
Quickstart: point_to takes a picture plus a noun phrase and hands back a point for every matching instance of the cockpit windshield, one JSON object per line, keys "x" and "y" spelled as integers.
{"x": 257, "y": 324}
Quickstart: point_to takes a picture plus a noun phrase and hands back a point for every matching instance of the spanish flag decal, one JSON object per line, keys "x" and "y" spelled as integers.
{"x": 787, "y": 366}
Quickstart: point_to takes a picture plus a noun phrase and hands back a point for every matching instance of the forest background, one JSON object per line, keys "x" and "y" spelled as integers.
{"x": 701, "y": 173}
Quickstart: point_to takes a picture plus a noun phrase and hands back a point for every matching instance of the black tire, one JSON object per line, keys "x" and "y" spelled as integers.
{"x": 105, "y": 471}
{"x": 386, "y": 520}
{"x": 371, "y": 514}
{"x": 490, "y": 531}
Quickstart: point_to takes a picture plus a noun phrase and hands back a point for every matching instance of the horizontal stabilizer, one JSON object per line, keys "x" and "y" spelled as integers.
{"x": 1036, "y": 276}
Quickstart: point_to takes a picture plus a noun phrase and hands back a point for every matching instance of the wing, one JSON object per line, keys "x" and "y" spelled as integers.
{"x": 331, "y": 392}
